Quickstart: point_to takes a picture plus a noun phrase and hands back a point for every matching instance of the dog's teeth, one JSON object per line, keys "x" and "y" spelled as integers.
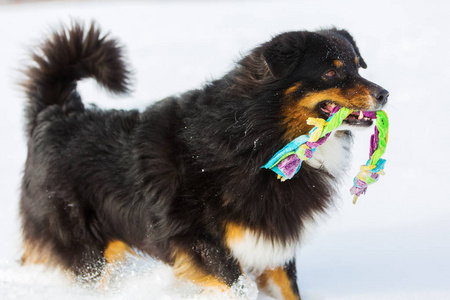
{"x": 361, "y": 115}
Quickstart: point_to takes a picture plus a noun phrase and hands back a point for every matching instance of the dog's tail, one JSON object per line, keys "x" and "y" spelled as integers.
{"x": 66, "y": 57}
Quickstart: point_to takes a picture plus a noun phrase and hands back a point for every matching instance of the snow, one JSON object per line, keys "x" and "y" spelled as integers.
{"x": 394, "y": 244}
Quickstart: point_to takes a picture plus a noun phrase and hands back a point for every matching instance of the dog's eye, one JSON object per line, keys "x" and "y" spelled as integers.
{"x": 330, "y": 74}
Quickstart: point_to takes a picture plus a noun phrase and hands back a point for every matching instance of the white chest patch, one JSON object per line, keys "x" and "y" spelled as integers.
{"x": 334, "y": 155}
{"x": 256, "y": 252}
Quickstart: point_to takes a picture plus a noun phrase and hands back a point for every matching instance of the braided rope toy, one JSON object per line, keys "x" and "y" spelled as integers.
{"x": 287, "y": 162}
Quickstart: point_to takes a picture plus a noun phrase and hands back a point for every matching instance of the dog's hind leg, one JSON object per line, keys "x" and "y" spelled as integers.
{"x": 85, "y": 262}
{"x": 35, "y": 254}
{"x": 115, "y": 253}
{"x": 280, "y": 282}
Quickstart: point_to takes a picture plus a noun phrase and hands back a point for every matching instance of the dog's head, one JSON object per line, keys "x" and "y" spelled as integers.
{"x": 313, "y": 72}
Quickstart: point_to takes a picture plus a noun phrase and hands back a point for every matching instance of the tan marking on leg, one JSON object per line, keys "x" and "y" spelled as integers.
{"x": 36, "y": 254}
{"x": 185, "y": 267}
{"x": 114, "y": 254}
{"x": 356, "y": 61}
{"x": 279, "y": 278}
{"x": 116, "y": 251}
{"x": 234, "y": 233}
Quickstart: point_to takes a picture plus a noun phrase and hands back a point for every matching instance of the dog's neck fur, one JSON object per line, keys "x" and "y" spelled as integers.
{"x": 334, "y": 155}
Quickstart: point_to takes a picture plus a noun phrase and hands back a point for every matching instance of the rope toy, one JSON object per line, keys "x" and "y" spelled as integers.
{"x": 287, "y": 162}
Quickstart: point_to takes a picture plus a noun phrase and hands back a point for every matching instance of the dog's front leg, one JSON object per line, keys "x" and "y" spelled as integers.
{"x": 280, "y": 282}
{"x": 210, "y": 266}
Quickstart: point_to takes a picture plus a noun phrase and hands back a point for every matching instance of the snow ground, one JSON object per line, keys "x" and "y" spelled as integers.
{"x": 394, "y": 244}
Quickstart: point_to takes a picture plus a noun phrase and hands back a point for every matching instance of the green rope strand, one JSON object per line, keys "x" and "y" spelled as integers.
{"x": 382, "y": 124}
{"x": 336, "y": 120}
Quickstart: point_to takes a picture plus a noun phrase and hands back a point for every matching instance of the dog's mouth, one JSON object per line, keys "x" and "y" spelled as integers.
{"x": 356, "y": 118}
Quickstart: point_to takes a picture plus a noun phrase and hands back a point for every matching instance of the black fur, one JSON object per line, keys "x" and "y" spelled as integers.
{"x": 173, "y": 176}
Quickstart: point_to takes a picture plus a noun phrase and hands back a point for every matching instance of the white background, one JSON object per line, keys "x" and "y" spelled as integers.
{"x": 394, "y": 244}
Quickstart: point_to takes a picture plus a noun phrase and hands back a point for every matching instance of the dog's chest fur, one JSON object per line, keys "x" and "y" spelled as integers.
{"x": 334, "y": 155}
{"x": 256, "y": 251}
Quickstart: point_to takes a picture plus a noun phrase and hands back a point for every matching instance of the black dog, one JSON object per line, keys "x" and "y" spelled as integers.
{"x": 182, "y": 181}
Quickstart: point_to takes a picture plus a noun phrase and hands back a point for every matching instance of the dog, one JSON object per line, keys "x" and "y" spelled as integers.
{"x": 182, "y": 181}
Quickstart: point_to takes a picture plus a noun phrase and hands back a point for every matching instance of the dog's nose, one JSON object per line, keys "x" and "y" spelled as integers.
{"x": 382, "y": 96}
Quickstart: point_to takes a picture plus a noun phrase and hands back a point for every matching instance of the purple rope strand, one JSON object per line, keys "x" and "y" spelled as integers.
{"x": 374, "y": 139}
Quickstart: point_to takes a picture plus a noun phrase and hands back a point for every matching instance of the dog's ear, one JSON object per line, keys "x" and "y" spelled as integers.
{"x": 283, "y": 53}
{"x": 348, "y": 37}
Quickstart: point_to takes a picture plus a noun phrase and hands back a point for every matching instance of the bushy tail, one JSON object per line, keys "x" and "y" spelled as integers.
{"x": 66, "y": 57}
